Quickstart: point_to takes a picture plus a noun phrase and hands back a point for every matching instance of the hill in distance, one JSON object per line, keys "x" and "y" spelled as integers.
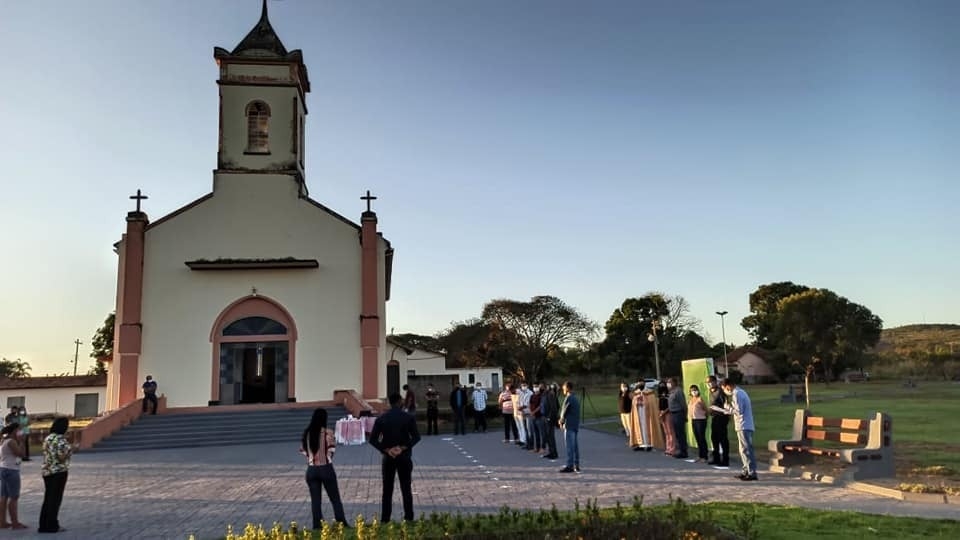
{"x": 928, "y": 338}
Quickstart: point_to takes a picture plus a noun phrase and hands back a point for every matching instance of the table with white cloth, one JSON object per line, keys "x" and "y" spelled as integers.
{"x": 351, "y": 431}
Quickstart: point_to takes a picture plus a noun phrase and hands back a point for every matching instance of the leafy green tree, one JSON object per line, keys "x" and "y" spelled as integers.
{"x": 764, "y": 308}
{"x": 102, "y": 345}
{"x": 818, "y": 328}
{"x": 14, "y": 369}
{"x": 529, "y": 331}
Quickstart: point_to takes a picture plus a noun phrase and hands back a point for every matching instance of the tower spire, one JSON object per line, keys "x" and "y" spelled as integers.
{"x": 263, "y": 12}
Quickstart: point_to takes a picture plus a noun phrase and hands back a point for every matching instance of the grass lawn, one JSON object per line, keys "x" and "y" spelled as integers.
{"x": 926, "y": 449}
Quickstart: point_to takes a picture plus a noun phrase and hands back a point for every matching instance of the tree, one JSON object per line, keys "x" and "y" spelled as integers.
{"x": 418, "y": 341}
{"x": 102, "y": 344}
{"x": 467, "y": 343}
{"x": 14, "y": 369}
{"x": 818, "y": 328}
{"x": 764, "y": 307}
{"x": 531, "y": 330}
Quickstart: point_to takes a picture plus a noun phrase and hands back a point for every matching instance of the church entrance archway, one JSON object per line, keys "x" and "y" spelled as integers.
{"x": 254, "y": 344}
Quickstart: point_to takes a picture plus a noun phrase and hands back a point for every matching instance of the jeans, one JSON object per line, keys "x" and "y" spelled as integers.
{"x": 320, "y": 477}
{"x": 550, "y": 436}
{"x": 401, "y": 467}
{"x": 720, "y": 440}
{"x": 700, "y": 434}
{"x": 150, "y": 398}
{"x": 680, "y": 433}
{"x": 459, "y": 421}
{"x": 53, "y": 486}
{"x": 573, "y": 449}
{"x": 509, "y": 426}
{"x": 745, "y": 440}
{"x": 530, "y": 428}
{"x": 540, "y": 432}
{"x": 432, "y": 415}
{"x": 480, "y": 420}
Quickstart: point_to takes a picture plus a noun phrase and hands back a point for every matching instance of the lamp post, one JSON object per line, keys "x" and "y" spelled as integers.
{"x": 723, "y": 330}
{"x": 655, "y": 324}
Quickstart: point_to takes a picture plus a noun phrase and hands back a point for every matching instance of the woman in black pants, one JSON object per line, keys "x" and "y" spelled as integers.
{"x": 319, "y": 444}
{"x": 56, "y": 460}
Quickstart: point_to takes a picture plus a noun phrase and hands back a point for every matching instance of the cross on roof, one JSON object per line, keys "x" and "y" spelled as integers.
{"x": 368, "y": 197}
{"x": 138, "y": 198}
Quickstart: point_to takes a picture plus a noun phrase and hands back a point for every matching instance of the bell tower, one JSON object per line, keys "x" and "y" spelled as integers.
{"x": 263, "y": 91}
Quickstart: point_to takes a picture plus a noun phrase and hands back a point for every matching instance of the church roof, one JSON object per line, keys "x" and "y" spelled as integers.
{"x": 262, "y": 40}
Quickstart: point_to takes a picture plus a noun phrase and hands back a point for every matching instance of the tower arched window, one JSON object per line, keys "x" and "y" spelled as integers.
{"x": 258, "y": 127}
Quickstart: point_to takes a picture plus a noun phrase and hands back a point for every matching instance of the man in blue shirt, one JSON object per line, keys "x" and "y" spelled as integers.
{"x": 458, "y": 405}
{"x": 570, "y": 422}
{"x": 740, "y": 407}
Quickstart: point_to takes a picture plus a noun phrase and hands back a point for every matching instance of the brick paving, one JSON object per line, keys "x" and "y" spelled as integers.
{"x": 171, "y": 493}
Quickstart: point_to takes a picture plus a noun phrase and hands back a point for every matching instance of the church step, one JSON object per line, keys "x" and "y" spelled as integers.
{"x": 213, "y": 429}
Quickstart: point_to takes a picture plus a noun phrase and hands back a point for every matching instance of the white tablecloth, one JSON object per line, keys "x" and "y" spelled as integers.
{"x": 350, "y": 431}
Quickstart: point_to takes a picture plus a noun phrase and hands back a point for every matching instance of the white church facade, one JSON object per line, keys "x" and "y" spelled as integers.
{"x": 254, "y": 293}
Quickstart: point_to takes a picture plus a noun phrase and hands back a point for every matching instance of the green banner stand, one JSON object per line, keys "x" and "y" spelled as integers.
{"x": 696, "y": 372}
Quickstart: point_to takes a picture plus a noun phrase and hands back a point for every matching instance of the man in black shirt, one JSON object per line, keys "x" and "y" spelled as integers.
{"x": 718, "y": 426}
{"x": 150, "y": 394}
{"x": 394, "y": 435}
{"x": 433, "y": 410}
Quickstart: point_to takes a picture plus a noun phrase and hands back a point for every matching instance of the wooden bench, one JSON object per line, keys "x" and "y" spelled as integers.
{"x": 870, "y": 457}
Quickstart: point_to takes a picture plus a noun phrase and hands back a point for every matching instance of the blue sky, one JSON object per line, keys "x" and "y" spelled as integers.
{"x": 588, "y": 150}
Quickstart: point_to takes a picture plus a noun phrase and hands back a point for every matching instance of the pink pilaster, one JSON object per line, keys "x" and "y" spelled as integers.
{"x": 369, "y": 302}
{"x": 129, "y": 327}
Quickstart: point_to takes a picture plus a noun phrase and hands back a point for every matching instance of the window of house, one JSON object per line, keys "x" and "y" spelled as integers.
{"x": 472, "y": 378}
{"x": 16, "y": 401}
{"x": 258, "y": 128}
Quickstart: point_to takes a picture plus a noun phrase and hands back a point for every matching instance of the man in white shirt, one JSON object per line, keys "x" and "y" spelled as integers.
{"x": 526, "y": 416}
{"x": 742, "y": 411}
{"x": 479, "y": 399}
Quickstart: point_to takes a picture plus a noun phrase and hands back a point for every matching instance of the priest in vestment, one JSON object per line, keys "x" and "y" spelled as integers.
{"x": 644, "y": 421}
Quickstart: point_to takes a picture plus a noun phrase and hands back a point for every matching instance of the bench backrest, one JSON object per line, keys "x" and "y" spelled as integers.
{"x": 869, "y": 433}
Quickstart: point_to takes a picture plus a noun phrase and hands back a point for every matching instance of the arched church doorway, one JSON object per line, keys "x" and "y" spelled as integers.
{"x": 253, "y": 347}
{"x": 393, "y": 377}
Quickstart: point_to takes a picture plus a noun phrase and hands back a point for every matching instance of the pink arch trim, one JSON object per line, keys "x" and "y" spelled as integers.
{"x": 251, "y": 306}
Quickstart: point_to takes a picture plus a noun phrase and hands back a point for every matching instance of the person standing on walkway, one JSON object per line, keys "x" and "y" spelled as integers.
{"x": 318, "y": 444}
{"x": 625, "y": 403}
{"x": 433, "y": 410}
{"x": 666, "y": 425}
{"x": 678, "y": 416}
{"x": 394, "y": 435}
{"x": 409, "y": 401}
{"x": 506, "y": 410}
{"x": 550, "y": 408}
{"x": 742, "y": 411}
{"x": 57, "y": 451}
{"x": 698, "y": 419}
{"x": 150, "y": 394}
{"x": 570, "y": 422}
{"x": 10, "y": 454}
{"x": 479, "y": 408}
{"x": 25, "y": 433}
{"x": 458, "y": 406}
{"x": 536, "y": 434}
{"x": 521, "y": 401}
{"x": 718, "y": 425}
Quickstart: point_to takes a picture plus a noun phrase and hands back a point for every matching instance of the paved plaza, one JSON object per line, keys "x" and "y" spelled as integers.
{"x": 171, "y": 493}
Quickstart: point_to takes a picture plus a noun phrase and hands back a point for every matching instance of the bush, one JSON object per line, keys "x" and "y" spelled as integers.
{"x": 669, "y": 522}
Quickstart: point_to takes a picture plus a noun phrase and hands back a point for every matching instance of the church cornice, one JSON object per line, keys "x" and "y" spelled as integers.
{"x": 252, "y": 264}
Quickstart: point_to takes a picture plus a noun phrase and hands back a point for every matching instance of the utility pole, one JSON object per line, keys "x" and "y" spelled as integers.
{"x": 654, "y": 325}
{"x": 76, "y": 355}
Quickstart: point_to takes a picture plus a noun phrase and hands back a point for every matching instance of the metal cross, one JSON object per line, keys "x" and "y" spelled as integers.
{"x": 138, "y": 198}
{"x": 368, "y": 197}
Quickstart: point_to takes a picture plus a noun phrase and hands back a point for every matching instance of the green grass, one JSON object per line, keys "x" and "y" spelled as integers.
{"x": 790, "y": 523}
{"x": 921, "y": 416}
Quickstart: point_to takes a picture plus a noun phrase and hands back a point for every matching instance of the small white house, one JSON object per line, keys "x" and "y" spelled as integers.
{"x": 408, "y": 365}
{"x": 80, "y": 396}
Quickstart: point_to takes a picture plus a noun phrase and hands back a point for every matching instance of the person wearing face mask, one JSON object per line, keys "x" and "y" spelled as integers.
{"x": 663, "y": 404}
{"x": 525, "y": 420}
{"x": 534, "y": 427}
{"x": 698, "y": 419}
{"x": 677, "y": 406}
{"x": 550, "y": 408}
{"x": 718, "y": 426}
{"x": 517, "y": 398}
{"x": 742, "y": 411}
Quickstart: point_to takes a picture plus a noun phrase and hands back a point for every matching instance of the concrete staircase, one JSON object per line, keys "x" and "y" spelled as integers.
{"x": 213, "y": 429}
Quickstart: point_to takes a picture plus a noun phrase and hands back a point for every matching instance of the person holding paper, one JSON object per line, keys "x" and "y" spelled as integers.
{"x": 742, "y": 412}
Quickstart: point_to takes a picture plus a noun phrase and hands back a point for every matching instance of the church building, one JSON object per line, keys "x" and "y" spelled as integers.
{"x": 255, "y": 292}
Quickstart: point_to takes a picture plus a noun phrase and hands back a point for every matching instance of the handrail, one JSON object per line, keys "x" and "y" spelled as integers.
{"x": 354, "y": 403}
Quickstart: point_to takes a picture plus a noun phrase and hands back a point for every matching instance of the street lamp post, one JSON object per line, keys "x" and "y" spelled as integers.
{"x": 656, "y": 350}
{"x": 723, "y": 330}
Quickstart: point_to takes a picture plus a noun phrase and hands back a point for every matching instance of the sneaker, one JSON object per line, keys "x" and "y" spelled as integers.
{"x": 576, "y": 468}
{"x": 749, "y": 478}
{"x": 566, "y": 469}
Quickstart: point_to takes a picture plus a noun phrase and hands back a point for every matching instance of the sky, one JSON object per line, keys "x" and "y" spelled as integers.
{"x": 593, "y": 151}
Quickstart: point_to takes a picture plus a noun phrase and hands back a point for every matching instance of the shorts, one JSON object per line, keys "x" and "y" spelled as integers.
{"x": 9, "y": 483}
